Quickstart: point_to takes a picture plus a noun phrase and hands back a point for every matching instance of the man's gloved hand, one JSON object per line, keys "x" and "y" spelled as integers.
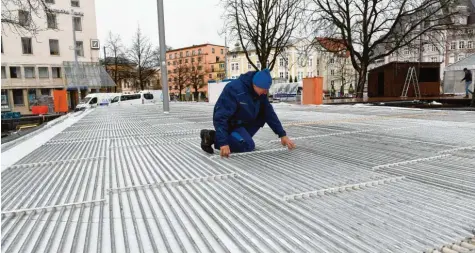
{"x": 225, "y": 151}
{"x": 286, "y": 141}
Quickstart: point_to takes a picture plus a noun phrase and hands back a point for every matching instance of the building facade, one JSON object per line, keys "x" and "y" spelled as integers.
{"x": 299, "y": 60}
{"x": 33, "y": 65}
{"x": 186, "y": 65}
{"x": 446, "y": 47}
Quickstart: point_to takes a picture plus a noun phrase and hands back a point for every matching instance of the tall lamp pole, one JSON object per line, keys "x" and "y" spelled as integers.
{"x": 163, "y": 58}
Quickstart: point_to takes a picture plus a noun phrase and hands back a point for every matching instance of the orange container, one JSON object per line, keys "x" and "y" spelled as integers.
{"x": 39, "y": 109}
{"x": 60, "y": 98}
{"x": 312, "y": 91}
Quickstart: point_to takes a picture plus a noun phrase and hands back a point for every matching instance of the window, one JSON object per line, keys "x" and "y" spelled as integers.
{"x": 51, "y": 20}
{"x": 318, "y": 72}
{"x": 332, "y": 61}
{"x": 187, "y": 53}
{"x": 286, "y": 75}
{"x": 186, "y": 60}
{"x": 469, "y": 44}
{"x": 332, "y": 82}
{"x": 193, "y": 52}
{"x": 433, "y": 59}
{"x": 453, "y": 45}
{"x": 192, "y": 59}
{"x": 2, "y": 45}
{"x": 210, "y": 75}
{"x": 45, "y": 92}
{"x": 148, "y": 96}
{"x": 49, "y": 1}
{"x": 199, "y": 59}
{"x": 75, "y": 3}
{"x": 56, "y": 72}
{"x": 15, "y": 72}
{"x": 193, "y": 68}
{"x": 332, "y": 72}
{"x": 434, "y": 48}
{"x": 169, "y": 63}
{"x": 26, "y": 45}
{"x": 199, "y": 51}
{"x": 169, "y": 79}
{"x": 470, "y": 31}
{"x": 232, "y": 66}
{"x": 212, "y": 68}
{"x": 200, "y": 67}
{"x": 115, "y": 100}
{"x": 79, "y": 48}
{"x": 4, "y": 72}
{"x": 18, "y": 97}
{"x": 234, "y": 56}
{"x": 180, "y": 62}
{"x": 93, "y": 101}
{"x": 461, "y": 44}
{"x": 249, "y": 66}
{"x": 237, "y": 66}
{"x": 181, "y": 54}
{"x": 310, "y": 62}
{"x": 406, "y": 51}
{"x": 281, "y": 62}
{"x": 281, "y": 74}
{"x": 53, "y": 47}
{"x": 176, "y": 55}
{"x": 212, "y": 50}
{"x": 222, "y": 51}
{"x": 43, "y": 72}
{"x": 29, "y": 72}
{"x": 171, "y": 56}
{"x": 258, "y": 65}
{"x": 77, "y": 23}
{"x": 24, "y": 18}
{"x": 318, "y": 61}
{"x": 169, "y": 71}
{"x": 174, "y": 71}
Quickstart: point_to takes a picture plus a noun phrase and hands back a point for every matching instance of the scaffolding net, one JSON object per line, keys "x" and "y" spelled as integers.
{"x": 86, "y": 74}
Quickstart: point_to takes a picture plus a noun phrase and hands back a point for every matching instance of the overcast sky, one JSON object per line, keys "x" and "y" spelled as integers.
{"x": 187, "y": 22}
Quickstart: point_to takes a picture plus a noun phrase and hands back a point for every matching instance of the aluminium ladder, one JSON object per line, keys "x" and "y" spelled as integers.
{"x": 411, "y": 79}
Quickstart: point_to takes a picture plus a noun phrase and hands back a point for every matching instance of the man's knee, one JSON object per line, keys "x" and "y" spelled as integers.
{"x": 241, "y": 142}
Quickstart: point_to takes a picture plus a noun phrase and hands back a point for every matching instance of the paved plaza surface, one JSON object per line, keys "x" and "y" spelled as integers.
{"x": 133, "y": 179}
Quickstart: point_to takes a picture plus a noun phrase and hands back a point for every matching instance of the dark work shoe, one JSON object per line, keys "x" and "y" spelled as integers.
{"x": 207, "y": 140}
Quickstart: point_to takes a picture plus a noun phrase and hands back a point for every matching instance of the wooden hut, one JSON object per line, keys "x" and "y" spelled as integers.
{"x": 388, "y": 80}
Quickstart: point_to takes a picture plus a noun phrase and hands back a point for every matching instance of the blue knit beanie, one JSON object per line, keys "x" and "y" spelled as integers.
{"x": 262, "y": 79}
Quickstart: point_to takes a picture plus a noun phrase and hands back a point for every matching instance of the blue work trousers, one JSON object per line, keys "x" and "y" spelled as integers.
{"x": 240, "y": 139}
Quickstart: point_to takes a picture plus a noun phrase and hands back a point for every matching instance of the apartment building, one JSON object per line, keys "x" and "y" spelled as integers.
{"x": 300, "y": 59}
{"x": 446, "y": 47}
{"x": 204, "y": 60}
{"x": 35, "y": 64}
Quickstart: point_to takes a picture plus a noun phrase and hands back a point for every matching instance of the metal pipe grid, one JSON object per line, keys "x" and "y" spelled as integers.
{"x": 363, "y": 179}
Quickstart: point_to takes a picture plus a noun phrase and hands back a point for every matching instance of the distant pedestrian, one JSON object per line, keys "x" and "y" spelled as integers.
{"x": 468, "y": 81}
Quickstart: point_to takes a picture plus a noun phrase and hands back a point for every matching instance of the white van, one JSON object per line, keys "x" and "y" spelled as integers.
{"x": 94, "y": 100}
{"x": 133, "y": 99}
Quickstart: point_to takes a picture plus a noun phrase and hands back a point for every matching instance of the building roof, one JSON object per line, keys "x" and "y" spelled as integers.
{"x": 191, "y": 47}
{"x": 133, "y": 179}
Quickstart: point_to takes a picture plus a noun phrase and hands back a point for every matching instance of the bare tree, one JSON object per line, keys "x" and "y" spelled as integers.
{"x": 265, "y": 26}
{"x": 118, "y": 66}
{"x": 180, "y": 77}
{"x": 18, "y": 16}
{"x": 365, "y": 26}
{"x": 142, "y": 55}
{"x": 196, "y": 77}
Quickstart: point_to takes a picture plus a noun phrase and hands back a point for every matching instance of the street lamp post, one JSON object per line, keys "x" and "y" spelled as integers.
{"x": 74, "y": 69}
{"x": 163, "y": 58}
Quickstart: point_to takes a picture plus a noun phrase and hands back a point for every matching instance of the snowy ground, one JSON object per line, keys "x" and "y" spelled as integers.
{"x": 133, "y": 179}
